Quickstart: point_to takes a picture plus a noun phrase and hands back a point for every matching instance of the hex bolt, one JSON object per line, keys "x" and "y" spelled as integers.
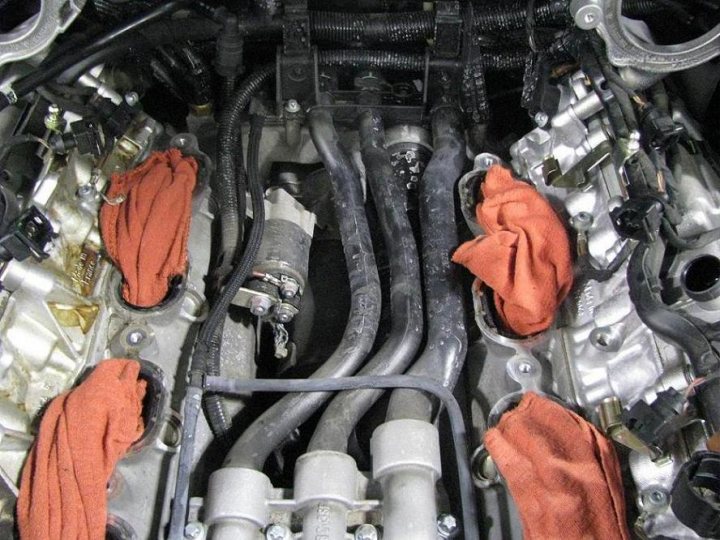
{"x": 284, "y": 315}
{"x": 447, "y": 525}
{"x": 541, "y": 119}
{"x": 292, "y": 106}
{"x": 135, "y": 337}
{"x": 132, "y": 98}
{"x": 289, "y": 289}
{"x": 53, "y": 119}
{"x": 194, "y": 531}
{"x": 85, "y": 191}
{"x": 260, "y": 305}
{"x": 366, "y": 532}
{"x": 276, "y": 532}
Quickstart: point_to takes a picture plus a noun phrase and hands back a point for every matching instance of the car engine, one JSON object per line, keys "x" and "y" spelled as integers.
{"x": 322, "y": 369}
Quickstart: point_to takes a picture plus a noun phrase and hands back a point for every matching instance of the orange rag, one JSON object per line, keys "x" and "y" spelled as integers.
{"x": 562, "y": 473}
{"x": 146, "y": 234}
{"x": 83, "y": 433}
{"x": 524, "y": 256}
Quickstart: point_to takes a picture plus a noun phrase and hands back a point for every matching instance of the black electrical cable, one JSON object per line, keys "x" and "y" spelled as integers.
{"x": 406, "y": 304}
{"x": 229, "y": 174}
{"x": 470, "y": 517}
{"x": 371, "y": 28}
{"x": 26, "y": 84}
{"x": 273, "y": 427}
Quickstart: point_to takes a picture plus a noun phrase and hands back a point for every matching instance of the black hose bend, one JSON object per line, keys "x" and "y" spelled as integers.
{"x": 346, "y": 410}
{"x": 229, "y": 175}
{"x": 446, "y": 345}
{"x": 273, "y": 427}
{"x": 213, "y": 404}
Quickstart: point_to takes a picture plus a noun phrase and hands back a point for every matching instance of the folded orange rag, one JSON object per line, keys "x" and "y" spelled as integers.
{"x": 524, "y": 256}
{"x": 563, "y": 474}
{"x": 83, "y": 433}
{"x": 146, "y": 234}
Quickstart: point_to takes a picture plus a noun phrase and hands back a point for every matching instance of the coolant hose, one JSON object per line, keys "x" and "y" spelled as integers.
{"x": 229, "y": 177}
{"x": 643, "y": 271}
{"x": 406, "y": 308}
{"x": 273, "y": 427}
{"x": 444, "y": 353}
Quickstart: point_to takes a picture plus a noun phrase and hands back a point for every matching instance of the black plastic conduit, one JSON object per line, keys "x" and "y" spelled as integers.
{"x": 406, "y": 307}
{"x": 229, "y": 175}
{"x": 444, "y": 353}
{"x": 273, "y": 426}
{"x": 372, "y": 28}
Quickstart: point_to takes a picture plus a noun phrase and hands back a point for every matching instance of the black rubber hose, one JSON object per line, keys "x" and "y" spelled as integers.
{"x": 372, "y": 28}
{"x": 643, "y": 271}
{"x": 152, "y": 36}
{"x": 392, "y": 60}
{"x": 213, "y": 404}
{"x": 446, "y": 345}
{"x": 229, "y": 176}
{"x": 471, "y": 523}
{"x": 406, "y": 307}
{"x": 45, "y": 73}
{"x": 273, "y": 427}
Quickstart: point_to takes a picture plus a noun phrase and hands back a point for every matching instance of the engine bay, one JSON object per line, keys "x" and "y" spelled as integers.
{"x": 347, "y": 246}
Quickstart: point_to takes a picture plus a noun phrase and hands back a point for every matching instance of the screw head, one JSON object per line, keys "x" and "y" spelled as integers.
{"x": 366, "y": 532}
{"x": 260, "y": 305}
{"x": 194, "y": 531}
{"x": 447, "y": 525}
{"x": 541, "y": 119}
{"x": 135, "y": 337}
{"x": 132, "y": 98}
{"x": 292, "y": 106}
{"x": 276, "y": 532}
{"x": 289, "y": 289}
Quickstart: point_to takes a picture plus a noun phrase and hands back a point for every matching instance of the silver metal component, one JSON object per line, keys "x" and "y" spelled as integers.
{"x": 194, "y": 531}
{"x": 277, "y": 532}
{"x": 447, "y": 525}
{"x": 367, "y": 532}
{"x": 260, "y": 305}
{"x": 627, "y": 46}
{"x": 292, "y": 106}
{"x": 131, "y": 98}
{"x": 406, "y": 461}
{"x": 53, "y": 119}
{"x": 40, "y": 30}
{"x": 541, "y": 119}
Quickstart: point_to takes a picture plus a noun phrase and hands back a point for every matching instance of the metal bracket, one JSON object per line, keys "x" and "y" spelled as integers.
{"x": 625, "y": 48}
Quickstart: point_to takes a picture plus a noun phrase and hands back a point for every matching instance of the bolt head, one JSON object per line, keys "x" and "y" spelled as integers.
{"x": 366, "y": 532}
{"x": 276, "y": 532}
{"x": 289, "y": 289}
{"x": 132, "y": 98}
{"x": 260, "y": 305}
{"x": 541, "y": 119}
{"x": 136, "y": 337}
{"x": 447, "y": 525}
{"x": 194, "y": 531}
{"x": 292, "y": 106}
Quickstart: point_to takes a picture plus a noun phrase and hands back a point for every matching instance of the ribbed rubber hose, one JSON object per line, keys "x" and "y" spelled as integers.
{"x": 273, "y": 426}
{"x": 393, "y": 60}
{"x": 446, "y": 344}
{"x": 229, "y": 175}
{"x": 406, "y": 306}
{"x": 371, "y": 28}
